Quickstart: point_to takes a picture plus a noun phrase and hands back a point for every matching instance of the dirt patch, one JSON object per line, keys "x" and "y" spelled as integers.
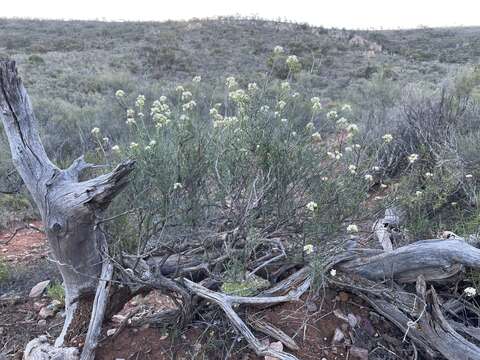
{"x": 20, "y": 323}
{"x": 312, "y": 324}
{"x": 23, "y": 243}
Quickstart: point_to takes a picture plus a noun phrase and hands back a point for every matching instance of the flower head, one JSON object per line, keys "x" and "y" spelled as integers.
{"x": 278, "y": 50}
{"x": 312, "y": 206}
{"x": 140, "y": 102}
{"x": 368, "y": 177}
{"x": 197, "y": 79}
{"x": 231, "y": 82}
{"x": 387, "y": 138}
{"x": 352, "y": 168}
{"x": 470, "y": 291}
{"x": 308, "y": 249}
{"x": 352, "y": 228}
{"x": 293, "y": 63}
{"x": 316, "y": 137}
{"x": 177, "y": 186}
{"x": 333, "y": 272}
{"x": 332, "y": 115}
{"x": 119, "y": 94}
{"x": 252, "y": 87}
{"x": 412, "y": 158}
{"x": 95, "y": 131}
{"x": 116, "y": 148}
{"x": 133, "y": 145}
{"x": 469, "y": 176}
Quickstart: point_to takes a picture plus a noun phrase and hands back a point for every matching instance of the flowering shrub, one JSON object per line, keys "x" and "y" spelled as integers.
{"x": 264, "y": 158}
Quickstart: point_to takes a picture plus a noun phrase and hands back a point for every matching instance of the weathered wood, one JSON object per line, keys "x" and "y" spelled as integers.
{"x": 433, "y": 259}
{"x": 70, "y": 209}
{"x": 227, "y": 301}
{"x": 98, "y": 312}
{"x": 40, "y": 349}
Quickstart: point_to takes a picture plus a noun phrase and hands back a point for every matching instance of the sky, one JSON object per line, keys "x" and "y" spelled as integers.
{"x": 351, "y": 14}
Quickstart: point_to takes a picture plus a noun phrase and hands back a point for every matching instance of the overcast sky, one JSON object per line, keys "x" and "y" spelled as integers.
{"x": 389, "y": 14}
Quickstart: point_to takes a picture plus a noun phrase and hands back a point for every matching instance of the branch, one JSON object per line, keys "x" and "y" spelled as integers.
{"x": 98, "y": 311}
{"x": 227, "y": 301}
{"x": 20, "y": 125}
{"x": 433, "y": 259}
{"x": 78, "y": 166}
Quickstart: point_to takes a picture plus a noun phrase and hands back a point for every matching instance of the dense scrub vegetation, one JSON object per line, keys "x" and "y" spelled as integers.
{"x": 332, "y": 121}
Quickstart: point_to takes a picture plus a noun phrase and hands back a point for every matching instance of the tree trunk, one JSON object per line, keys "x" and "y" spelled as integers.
{"x": 70, "y": 208}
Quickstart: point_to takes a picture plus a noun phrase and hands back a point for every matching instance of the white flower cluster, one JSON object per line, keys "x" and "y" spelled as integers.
{"x": 470, "y": 291}
{"x": 337, "y": 155}
{"x": 316, "y": 137}
{"x": 412, "y": 158}
{"x": 226, "y": 122}
{"x": 140, "y": 102}
{"x": 231, "y": 82}
{"x": 316, "y": 105}
{"x": 278, "y": 50}
{"x": 189, "y": 106}
{"x": 160, "y": 112}
{"x": 197, "y": 79}
{"x": 186, "y": 96}
{"x": 312, "y": 206}
{"x": 308, "y": 249}
{"x": 332, "y": 115}
{"x": 239, "y": 96}
{"x": 387, "y": 138}
{"x": 252, "y": 87}
{"x": 95, "y": 131}
{"x": 293, "y": 63}
{"x": 352, "y": 228}
{"x": 119, "y": 94}
{"x": 177, "y": 186}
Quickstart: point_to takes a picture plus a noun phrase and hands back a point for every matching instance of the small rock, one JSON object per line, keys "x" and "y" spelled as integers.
{"x": 278, "y": 346}
{"x": 358, "y": 353}
{"x": 338, "y": 336}
{"x": 46, "y": 312}
{"x": 42, "y": 322}
{"x": 37, "y": 305}
{"x": 38, "y": 289}
{"x": 110, "y": 332}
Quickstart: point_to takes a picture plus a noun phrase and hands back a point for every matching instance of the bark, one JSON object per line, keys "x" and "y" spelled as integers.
{"x": 70, "y": 208}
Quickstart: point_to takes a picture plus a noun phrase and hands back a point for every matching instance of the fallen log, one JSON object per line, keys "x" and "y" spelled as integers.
{"x": 432, "y": 259}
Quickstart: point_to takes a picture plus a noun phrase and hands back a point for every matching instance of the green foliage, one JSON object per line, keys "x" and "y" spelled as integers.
{"x": 4, "y": 272}
{"x": 55, "y": 291}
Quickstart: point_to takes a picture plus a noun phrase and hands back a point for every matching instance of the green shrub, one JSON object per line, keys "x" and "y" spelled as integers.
{"x": 55, "y": 291}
